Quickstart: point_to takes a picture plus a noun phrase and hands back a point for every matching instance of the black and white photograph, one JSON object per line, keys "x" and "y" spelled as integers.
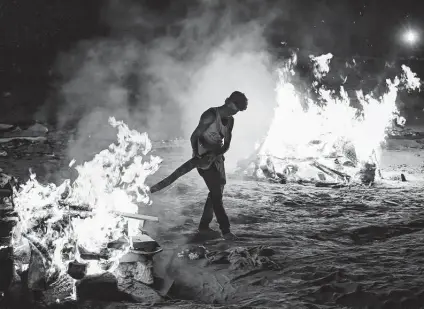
{"x": 211, "y": 154}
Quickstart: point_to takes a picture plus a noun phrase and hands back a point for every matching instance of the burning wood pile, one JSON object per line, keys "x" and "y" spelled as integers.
{"x": 84, "y": 239}
{"x": 331, "y": 141}
{"x": 334, "y": 169}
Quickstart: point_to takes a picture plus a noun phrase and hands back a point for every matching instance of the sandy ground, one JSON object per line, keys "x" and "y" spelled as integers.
{"x": 355, "y": 247}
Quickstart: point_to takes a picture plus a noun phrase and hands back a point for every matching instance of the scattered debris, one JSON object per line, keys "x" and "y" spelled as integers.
{"x": 256, "y": 257}
{"x": 245, "y": 258}
{"x": 397, "y": 132}
{"x": 193, "y": 253}
{"x": 391, "y": 203}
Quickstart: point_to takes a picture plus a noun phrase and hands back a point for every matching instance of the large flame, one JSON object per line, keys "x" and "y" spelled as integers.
{"x": 80, "y": 215}
{"x": 335, "y": 124}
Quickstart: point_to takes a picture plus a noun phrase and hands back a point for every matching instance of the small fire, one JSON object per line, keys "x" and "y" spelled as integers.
{"x": 334, "y": 128}
{"x": 67, "y": 221}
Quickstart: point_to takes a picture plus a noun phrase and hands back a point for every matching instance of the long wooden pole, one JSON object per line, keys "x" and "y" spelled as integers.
{"x": 136, "y": 216}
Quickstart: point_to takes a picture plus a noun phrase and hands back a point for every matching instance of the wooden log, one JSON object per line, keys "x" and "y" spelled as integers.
{"x": 330, "y": 171}
{"x": 324, "y": 170}
{"x": 86, "y": 213}
{"x": 136, "y": 216}
{"x": 326, "y": 184}
{"x": 102, "y": 287}
{"x": 77, "y": 270}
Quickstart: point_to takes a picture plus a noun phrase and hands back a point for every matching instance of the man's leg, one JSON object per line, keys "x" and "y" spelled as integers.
{"x": 213, "y": 180}
{"x": 207, "y": 215}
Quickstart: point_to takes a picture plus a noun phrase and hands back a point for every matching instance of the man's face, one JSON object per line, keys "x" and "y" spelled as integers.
{"x": 234, "y": 108}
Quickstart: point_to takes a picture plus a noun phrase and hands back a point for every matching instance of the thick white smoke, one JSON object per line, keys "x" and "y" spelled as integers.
{"x": 162, "y": 82}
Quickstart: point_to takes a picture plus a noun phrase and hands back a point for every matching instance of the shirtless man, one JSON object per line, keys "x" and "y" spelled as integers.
{"x": 212, "y": 139}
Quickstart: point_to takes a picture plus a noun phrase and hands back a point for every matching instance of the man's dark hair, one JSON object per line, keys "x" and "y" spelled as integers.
{"x": 239, "y": 99}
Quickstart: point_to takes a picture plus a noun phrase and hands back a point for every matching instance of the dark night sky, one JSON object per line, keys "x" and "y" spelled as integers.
{"x": 33, "y": 32}
{"x": 369, "y": 26}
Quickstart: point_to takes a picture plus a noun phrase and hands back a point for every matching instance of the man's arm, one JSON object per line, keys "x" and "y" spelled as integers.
{"x": 206, "y": 120}
{"x": 227, "y": 138}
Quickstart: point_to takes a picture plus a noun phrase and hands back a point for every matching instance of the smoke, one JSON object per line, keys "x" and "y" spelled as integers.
{"x": 159, "y": 70}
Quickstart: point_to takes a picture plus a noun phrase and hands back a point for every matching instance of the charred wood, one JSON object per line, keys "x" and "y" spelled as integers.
{"x": 330, "y": 171}
{"x": 99, "y": 287}
{"x": 77, "y": 270}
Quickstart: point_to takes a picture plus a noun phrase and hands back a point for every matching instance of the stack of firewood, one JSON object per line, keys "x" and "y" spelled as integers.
{"x": 38, "y": 280}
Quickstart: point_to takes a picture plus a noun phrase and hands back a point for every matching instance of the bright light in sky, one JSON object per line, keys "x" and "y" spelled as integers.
{"x": 410, "y": 37}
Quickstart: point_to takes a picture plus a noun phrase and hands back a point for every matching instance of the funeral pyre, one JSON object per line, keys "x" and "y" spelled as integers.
{"x": 86, "y": 227}
{"x": 330, "y": 141}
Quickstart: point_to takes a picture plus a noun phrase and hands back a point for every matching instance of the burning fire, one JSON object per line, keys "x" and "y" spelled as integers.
{"x": 335, "y": 128}
{"x": 75, "y": 220}
{"x": 67, "y": 222}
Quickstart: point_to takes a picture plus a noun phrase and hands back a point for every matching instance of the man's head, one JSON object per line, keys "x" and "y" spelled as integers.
{"x": 237, "y": 101}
